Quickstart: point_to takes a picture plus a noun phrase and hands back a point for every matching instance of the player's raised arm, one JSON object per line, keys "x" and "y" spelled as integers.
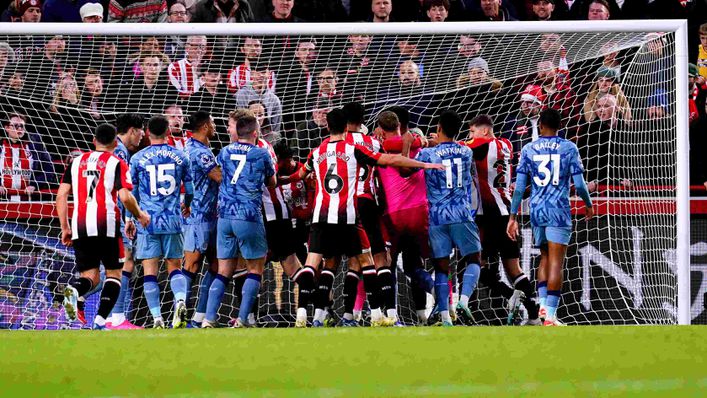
{"x": 130, "y": 203}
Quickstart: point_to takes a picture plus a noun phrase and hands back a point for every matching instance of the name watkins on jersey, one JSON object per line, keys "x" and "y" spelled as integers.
{"x": 455, "y": 150}
{"x": 339, "y": 155}
{"x": 161, "y": 152}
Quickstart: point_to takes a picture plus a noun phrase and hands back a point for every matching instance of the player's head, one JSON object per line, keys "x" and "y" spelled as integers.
{"x": 403, "y": 116}
{"x": 247, "y": 127}
{"x": 481, "y": 126}
{"x": 388, "y": 122}
{"x": 284, "y": 157}
{"x": 449, "y": 124}
{"x": 233, "y": 118}
{"x": 550, "y": 121}
{"x": 104, "y": 136}
{"x": 203, "y": 123}
{"x": 131, "y": 129}
{"x": 157, "y": 127}
{"x": 175, "y": 117}
{"x": 336, "y": 121}
{"x": 354, "y": 113}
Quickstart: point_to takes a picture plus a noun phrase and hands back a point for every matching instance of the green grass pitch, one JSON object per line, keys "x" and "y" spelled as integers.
{"x": 590, "y": 361}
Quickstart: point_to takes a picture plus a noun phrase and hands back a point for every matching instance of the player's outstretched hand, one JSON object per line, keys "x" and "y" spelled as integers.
{"x": 144, "y": 219}
{"x": 130, "y": 229}
{"x": 434, "y": 166}
{"x": 512, "y": 229}
{"x": 66, "y": 237}
{"x": 588, "y": 213}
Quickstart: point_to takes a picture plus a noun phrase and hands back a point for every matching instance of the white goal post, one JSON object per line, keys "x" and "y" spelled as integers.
{"x": 678, "y": 301}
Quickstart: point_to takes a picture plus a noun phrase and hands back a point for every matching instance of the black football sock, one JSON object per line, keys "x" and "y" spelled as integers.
{"x": 386, "y": 284}
{"x": 109, "y": 296}
{"x": 370, "y": 284}
{"x": 321, "y": 295}
{"x": 82, "y": 285}
{"x": 304, "y": 278}
{"x": 350, "y": 292}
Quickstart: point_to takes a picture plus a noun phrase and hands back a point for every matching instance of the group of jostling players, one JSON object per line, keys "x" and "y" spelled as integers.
{"x": 375, "y": 197}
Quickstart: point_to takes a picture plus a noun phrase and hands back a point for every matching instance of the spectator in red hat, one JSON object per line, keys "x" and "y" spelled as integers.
{"x": 29, "y": 10}
{"x": 523, "y": 127}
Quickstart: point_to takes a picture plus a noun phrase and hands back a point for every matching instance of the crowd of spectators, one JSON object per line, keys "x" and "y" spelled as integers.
{"x": 55, "y": 89}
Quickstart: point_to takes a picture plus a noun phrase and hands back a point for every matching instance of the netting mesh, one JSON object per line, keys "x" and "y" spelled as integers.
{"x": 616, "y": 92}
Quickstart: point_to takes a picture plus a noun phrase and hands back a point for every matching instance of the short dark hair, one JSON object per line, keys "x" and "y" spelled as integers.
{"x": 427, "y": 4}
{"x": 336, "y": 121}
{"x": 388, "y": 121}
{"x": 199, "y": 119}
{"x": 126, "y": 121}
{"x": 246, "y": 126}
{"x": 14, "y": 114}
{"x": 259, "y": 65}
{"x": 450, "y": 122}
{"x": 602, "y": 2}
{"x": 482, "y": 120}
{"x": 105, "y": 134}
{"x": 551, "y": 119}
{"x": 354, "y": 112}
{"x": 402, "y": 114}
{"x": 158, "y": 126}
{"x": 282, "y": 151}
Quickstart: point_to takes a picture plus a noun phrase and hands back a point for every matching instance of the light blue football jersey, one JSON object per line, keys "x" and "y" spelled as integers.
{"x": 451, "y": 192}
{"x": 202, "y": 161}
{"x": 158, "y": 173}
{"x": 245, "y": 169}
{"x": 550, "y": 163}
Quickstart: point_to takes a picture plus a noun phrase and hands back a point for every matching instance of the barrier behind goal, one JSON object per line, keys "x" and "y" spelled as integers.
{"x": 627, "y": 266}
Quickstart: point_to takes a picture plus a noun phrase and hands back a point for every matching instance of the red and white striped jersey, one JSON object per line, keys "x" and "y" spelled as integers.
{"x": 336, "y": 167}
{"x": 274, "y": 204}
{"x": 179, "y": 142}
{"x": 184, "y": 77}
{"x": 239, "y": 77}
{"x": 96, "y": 178}
{"x": 299, "y": 196}
{"x": 493, "y": 164}
{"x": 366, "y": 179}
{"x": 17, "y": 164}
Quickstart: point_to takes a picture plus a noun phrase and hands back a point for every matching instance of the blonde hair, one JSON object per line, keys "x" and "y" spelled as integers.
{"x": 64, "y": 78}
{"x": 623, "y": 108}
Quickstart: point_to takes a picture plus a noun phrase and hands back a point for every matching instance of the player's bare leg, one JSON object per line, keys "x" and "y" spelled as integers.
{"x": 555, "y": 260}
{"x": 542, "y": 281}
{"x": 250, "y": 289}
{"x": 323, "y": 293}
{"x": 442, "y": 289}
{"x": 217, "y": 289}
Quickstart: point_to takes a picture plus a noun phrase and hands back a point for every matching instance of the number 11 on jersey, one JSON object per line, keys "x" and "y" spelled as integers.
{"x": 448, "y": 170}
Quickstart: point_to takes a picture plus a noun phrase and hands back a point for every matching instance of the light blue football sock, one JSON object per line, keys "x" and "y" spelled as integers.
{"x": 553, "y": 301}
{"x": 119, "y": 307}
{"x": 471, "y": 278}
{"x": 152, "y": 294}
{"x": 218, "y": 287}
{"x": 204, "y": 291}
{"x": 178, "y": 284}
{"x": 442, "y": 291}
{"x": 251, "y": 287}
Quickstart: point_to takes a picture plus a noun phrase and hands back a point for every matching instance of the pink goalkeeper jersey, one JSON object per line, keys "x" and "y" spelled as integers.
{"x": 402, "y": 193}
